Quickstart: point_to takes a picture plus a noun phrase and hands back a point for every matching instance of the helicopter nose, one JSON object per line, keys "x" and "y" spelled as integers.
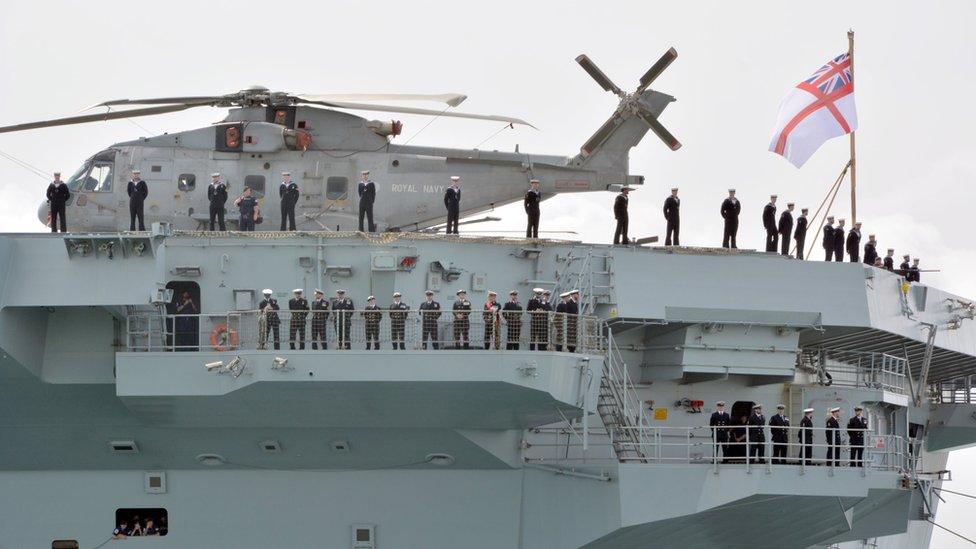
{"x": 44, "y": 213}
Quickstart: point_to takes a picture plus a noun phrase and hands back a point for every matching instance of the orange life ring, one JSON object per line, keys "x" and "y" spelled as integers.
{"x": 218, "y": 340}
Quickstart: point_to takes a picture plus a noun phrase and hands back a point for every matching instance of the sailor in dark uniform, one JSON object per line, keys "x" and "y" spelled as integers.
{"x": 672, "y": 216}
{"x": 122, "y": 530}
{"x": 137, "y": 191}
{"x": 342, "y": 308}
{"x": 769, "y": 223}
{"x": 870, "y": 250}
{"x": 800, "y": 234}
{"x": 248, "y": 207}
{"x": 430, "y": 311}
{"x": 572, "y": 321}
{"x": 915, "y": 274}
{"x": 320, "y": 316}
{"x": 546, "y": 309}
{"x": 905, "y": 265}
{"x": 57, "y": 198}
{"x": 622, "y": 217}
{"x": 855, "y": 433}
{"x": 854, "y": 243}
{"x": 719, "y": 422}
{"x": 371, "y": 320}
{"x": 730, "y": 213}
{"x": 512, "y": 313}
{"x": 828, "y": 239}
{"x": 780, "y": 433}
{"x": 833, "y": 438}
{"x": 492, "y": 321}
{"x": 289, "y": 193}
{"x": 889, "y": 260}
{"x": 462, "y": 320}
{"x": 757, "y": 435}
{"x": 298, "y": 306}
{"x": 806, "y": 437}
{"x": 367, "y": 197}
{"x": 452, "y": 201}
{"x": 839, "y": 241}
{"x": 559, "y": 320}
{"x": 785, "y": 229}
{"x": 268, "y": 306}
{"x": 217, "y": 196}
{"x": 398, "y": 320}
{"x": 531, "y": 203}
{"x": 537, "y": 321}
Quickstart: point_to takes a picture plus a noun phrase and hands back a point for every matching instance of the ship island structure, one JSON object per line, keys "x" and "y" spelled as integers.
{"x": 112, "y": 406}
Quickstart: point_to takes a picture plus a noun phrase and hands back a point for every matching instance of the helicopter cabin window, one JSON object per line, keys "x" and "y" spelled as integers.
{"x": 256, "y": 183}
{"x": 336, "y": 188}
{"x": 96, "y": 175}
{"x": 187, "y": 182}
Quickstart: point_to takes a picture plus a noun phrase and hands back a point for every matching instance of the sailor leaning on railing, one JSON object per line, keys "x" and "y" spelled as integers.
{"x": 497, "y": 326}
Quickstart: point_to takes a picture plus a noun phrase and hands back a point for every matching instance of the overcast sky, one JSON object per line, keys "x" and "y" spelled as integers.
{"x": 914, "y": 89}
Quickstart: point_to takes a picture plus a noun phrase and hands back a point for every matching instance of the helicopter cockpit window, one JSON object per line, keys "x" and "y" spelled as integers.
{"x": 336, "y": 188}
{"x": 187, "y": 182}
{"x": 96, "y": 175}
{"x": 256, "y": 182}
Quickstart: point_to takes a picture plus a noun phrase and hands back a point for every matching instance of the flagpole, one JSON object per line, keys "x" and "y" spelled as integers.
{"x": 850, "y": 53}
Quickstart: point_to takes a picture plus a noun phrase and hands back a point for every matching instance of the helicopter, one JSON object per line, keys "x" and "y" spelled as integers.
{"x": 266, "y": 133}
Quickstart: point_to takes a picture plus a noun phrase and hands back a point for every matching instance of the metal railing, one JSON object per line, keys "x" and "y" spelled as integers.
{"x": 365, "y": 329}
{"x": 739, "y": 446}
{"x": 858, "y": 369}
{"x": 620, "y": 406}
{"x": 954, "y": 391}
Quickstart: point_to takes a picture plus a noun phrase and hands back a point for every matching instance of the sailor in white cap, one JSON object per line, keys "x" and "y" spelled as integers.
{"x": 398, "y": 319}
{"x": 800, "y": 234}
{"x": 320, "y": 316}
{"x": 779, "y": 431}
{"x": 531, "y": 203}
{"x": 367, "y": 196}
{"x": 785, "y": 229}
{"x": 430, "y": 311}
{"x": 372, "y": 316}
{"x": 452, "y": 201}
{"x": 889, "y": 259}
{"x": 828, "y": 238}
{"x": 57, "y": 199}
{"x": 137, "y": 191}
{"x": 462, "y": 320}
{"x": 719, "y": 422}
{"x": 572, "y": 319}
{"x": 839, "y": 241}
{"x": 620, "y": 205}
{"x": 757, "y": 435}
{"x": 492, "y": 320}
{"x": 342, "y": 310}
{"x": 853, "y": 243}
{"x": 268, "y": 308}
{"x": 672, "y": 204}
{"x": 769, "y": 223}
{"x": 833, "y": 438}
{"x": 559, "y": 319}
{"x": 537, "y": 322}
{"x": 512, "y": 313}
{"x": 856, "y": 427}
{"x": 217, "y": 197}
{"x": 914, "y": 273}
{"x": 730, "y": 213}
{"x": 289, "y": 194}
{"x": 806, "y": 437}
{"x": 871, "y": 250}
{"x": 298, "y": 306}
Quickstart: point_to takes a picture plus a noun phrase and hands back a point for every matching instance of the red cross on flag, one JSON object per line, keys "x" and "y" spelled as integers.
{"x": 817, "y": 109}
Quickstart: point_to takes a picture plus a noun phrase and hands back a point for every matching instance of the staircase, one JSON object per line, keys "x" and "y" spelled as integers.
{"x": 621, "y": 410}
{"x": 590, "y": 273}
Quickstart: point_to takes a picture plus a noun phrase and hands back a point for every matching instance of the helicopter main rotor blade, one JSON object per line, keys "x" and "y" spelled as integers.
{"x": 452, "y": 99}
{"x": 660, "y": 130}
{"x": 656, "y": 69}
{"x": 99, "y": 117}
{"x": 602, "y": 79}
{"x": 203, "y": 99}
{"x": 412, "y": 110}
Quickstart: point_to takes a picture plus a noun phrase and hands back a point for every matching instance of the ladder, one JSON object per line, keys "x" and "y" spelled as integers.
{"x": 621, "y": 409}
{"x": 591, "y": 273}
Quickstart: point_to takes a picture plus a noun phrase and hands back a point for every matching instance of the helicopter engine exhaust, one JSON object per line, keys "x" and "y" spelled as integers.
{"x": 385, "y": 129}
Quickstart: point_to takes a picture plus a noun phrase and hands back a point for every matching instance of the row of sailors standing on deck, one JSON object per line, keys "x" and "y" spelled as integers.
{"x": 493, "y": 315}
{"x": 749, "y": 433}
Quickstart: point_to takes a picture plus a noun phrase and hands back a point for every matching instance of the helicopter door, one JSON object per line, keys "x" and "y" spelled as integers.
{"x": 158, "y": 173}
{"x": 93, "y": 187}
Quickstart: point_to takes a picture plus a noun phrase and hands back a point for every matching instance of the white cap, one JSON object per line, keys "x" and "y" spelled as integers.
{"x": 574, "y": 291}
{"x": 808, "y": 410}
{"x": 533, "y": 181}
{"x": 318, "y": 291}
{"x": 720, "y": 403}
{"x": 297, "y": 291}
{"x": 513, "y": 292}
{"x": 780, "y": 406}
{"x": 340, "y": 291}
{"x": 492, "y": 292}
{"x": 537, "y": 290}
{"x": 429, "y": 292}
{"x": 834, "y": 409}
{"x": 455, "y": 178}
{"x": 267, "y": 291}
{"x": 731, "y": 190}
{"x": 565, "y": 294}
{"x": 364, "y": 172}
{"x": 285, "y": 173}
{"x": 674, "y": 188}
{"x": 754, "y": 406}
{"x": 459, "y": 292}
{"x": 215, "y": 174}
{"x": 396, "y": 294}
{"x": 371, "y": 298}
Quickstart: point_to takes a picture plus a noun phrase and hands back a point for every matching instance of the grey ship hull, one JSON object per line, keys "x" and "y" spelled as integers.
{"x": 537, "y": 461}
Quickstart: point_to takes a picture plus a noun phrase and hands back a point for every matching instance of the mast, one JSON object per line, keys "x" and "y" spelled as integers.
{"x": 853, "y": 162}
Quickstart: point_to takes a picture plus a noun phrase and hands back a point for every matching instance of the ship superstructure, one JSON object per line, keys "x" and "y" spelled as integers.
{"x": 111, "y": 401}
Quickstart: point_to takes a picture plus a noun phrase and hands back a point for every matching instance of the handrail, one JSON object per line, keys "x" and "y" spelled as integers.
{"x": 858, "y": 369}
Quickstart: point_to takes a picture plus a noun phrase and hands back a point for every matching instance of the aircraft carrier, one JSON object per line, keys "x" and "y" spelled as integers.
{"x": 113, "y": 406}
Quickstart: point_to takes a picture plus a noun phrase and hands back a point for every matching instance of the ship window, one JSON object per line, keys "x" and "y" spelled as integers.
{"x": 141, "y": 522}
{"x": 64, "y": 544}
{"x": 336, "y": 188}
{"x": 256, "y": 182}
{"x": 187, "y": 182}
